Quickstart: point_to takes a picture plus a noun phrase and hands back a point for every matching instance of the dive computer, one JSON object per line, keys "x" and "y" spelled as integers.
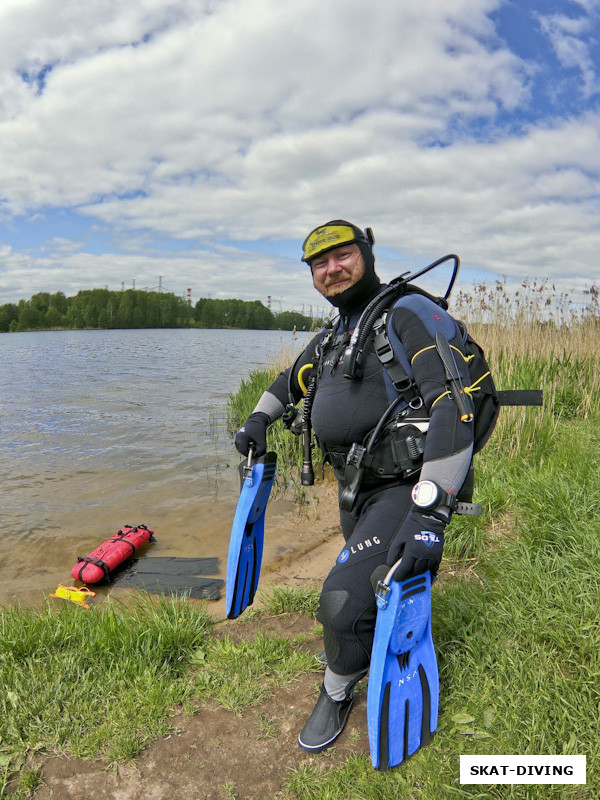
{"x": 427, "y": 494}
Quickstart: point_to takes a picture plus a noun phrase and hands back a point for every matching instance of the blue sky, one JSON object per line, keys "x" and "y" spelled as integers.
{"x": 198, "y": 141}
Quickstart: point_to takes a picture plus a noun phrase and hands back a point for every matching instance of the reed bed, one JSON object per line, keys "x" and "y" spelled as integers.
{"x": 537, "y": 339}
{"x": 535, "y": 319}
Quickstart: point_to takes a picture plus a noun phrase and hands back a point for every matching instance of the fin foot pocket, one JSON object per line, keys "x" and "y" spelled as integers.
{"x": 403, "y": 692}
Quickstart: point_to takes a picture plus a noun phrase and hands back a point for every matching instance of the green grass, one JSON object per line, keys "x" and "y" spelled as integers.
{"x": 290, "y": 599}
{"x": 105, "y": 682}
{"x": 240, "y": 674}
{"x": 27, "y": 781}
{"x": 241, "y": 403}
{"x": 95, "y": 683}
{"x": 515, "y": 626}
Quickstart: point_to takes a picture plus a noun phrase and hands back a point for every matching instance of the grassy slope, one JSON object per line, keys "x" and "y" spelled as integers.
{"x": 515, "y": 626}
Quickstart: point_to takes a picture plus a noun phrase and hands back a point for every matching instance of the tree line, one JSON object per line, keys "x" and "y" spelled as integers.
{"x": 135, "y": 308}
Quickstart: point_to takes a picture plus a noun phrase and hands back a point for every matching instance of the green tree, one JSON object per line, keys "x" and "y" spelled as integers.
{"x": 59, "y": 302}
{"x": 53, "y": 318}
{"x": 288, "y": 320}
{"x": 40, "y": 302}
{"x": 232, "y": 313}
{"x": 264, "y": 319}
{"x": 30, "y": 317}
{"x": 9, "y": 313}
{"x": 101, "y": 308}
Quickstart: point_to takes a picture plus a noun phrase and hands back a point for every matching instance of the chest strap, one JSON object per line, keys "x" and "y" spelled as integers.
{"x": 402, "y": 382}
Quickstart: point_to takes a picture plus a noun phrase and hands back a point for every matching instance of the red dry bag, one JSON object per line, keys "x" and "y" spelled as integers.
{"x": 102, "y": 561}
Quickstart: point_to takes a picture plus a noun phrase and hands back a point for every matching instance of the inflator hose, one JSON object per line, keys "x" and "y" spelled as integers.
{"x": 373, "y": 311}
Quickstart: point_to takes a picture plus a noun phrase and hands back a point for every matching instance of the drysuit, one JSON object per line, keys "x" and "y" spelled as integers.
{"x": 383, "y": 523}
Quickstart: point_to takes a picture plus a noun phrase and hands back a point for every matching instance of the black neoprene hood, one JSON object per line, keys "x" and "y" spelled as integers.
{"x": 334, "y": 234}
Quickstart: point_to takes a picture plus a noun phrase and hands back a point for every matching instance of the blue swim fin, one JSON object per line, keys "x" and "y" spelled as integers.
{"x": 247, "y": 533}
{"x": 403, "y": 691}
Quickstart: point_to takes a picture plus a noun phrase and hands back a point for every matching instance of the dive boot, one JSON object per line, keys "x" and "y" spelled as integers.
{"x": 325, "y": 723}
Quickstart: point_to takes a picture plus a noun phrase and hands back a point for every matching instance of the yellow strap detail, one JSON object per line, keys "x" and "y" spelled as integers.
{"x": 474, "y": 387}
{"x": 300, "y": 379}
{"x": 444, "y": 394}
{"x": 431, "y": 347}
{"x": 461, "y": 354}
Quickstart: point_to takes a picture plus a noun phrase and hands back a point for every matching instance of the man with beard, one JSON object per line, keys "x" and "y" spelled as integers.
{"x": 388, "y": 517}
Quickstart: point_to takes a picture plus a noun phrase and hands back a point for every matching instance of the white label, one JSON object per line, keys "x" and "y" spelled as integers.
{"x": 522, "y": 769}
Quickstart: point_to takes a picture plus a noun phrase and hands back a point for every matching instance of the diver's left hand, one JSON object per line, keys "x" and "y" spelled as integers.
{"x": 420, "y": 542}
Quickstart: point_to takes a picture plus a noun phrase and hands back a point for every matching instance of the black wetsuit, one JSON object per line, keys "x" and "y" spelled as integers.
{"x": 344, "y": 412}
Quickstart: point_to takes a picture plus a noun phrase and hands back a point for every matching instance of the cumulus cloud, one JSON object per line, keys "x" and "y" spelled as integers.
{"x": 200, "y": 96}
{"x": 572, "y": 38}
{"x": 218, "y": 122}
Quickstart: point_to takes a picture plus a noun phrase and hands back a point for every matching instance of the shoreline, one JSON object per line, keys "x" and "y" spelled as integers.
{"x": 311, "y": 560}
{"x": 302, "y": 540}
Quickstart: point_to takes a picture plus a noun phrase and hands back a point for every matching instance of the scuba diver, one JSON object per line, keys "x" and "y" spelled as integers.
{"x": 397, "y": 493}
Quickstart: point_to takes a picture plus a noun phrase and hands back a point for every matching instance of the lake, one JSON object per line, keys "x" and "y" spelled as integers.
{"x": 104, "y": 428}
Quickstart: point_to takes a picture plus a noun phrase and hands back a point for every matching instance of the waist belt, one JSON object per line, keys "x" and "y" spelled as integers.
{"x": 337, "y": 458}
{"x": 397, "y": 454}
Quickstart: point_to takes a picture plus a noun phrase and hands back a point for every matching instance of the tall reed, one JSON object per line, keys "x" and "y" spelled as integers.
{"x": 537, "y": 339}
{"x": 533, "y": 319}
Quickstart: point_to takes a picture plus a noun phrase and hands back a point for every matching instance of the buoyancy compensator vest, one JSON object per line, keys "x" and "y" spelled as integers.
{"x": 394, "y": 448}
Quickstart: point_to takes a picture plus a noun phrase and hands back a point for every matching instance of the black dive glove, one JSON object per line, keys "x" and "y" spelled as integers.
{"x": 253, "y": 432}
{"x": 420, "y": 542}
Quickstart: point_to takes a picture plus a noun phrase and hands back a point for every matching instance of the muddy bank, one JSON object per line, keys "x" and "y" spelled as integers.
{"x": 214, "y": 754}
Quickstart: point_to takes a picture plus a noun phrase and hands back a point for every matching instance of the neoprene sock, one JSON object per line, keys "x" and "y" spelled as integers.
{"x": 337, "y": 686}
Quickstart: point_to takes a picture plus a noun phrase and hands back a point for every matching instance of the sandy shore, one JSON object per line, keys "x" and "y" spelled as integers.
{"x": 316, "y": 549}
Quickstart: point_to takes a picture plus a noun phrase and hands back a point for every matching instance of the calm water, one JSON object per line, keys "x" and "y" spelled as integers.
{"x": 103, "y": 428}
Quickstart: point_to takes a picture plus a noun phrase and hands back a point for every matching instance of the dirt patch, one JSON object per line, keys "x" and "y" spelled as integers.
{"x": 214, "y": 754}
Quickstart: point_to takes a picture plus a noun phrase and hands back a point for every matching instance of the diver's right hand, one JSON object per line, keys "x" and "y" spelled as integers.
{"x": 253, "y": 432}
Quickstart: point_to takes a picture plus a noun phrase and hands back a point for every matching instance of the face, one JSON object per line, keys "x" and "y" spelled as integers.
{"x": 337, "y": 270}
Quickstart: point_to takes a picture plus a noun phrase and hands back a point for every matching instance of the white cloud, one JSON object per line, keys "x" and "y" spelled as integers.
{"x": 589, "y": 6}
{"x": 223, "y": 120}
{"x": 221, "y": 273}
{"x": 113, "y": 119}
{"x": 571, "y": 38}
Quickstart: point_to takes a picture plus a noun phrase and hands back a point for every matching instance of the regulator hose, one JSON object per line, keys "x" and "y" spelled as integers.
{"x": 348, "y": 496}
{"x": 353, "y": 354}
{"x": 307, "y": 475}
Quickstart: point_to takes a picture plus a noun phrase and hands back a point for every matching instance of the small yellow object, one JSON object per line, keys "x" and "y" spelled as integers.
{"x": 74, "y": 594}
{"x": 301, "y": 377}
